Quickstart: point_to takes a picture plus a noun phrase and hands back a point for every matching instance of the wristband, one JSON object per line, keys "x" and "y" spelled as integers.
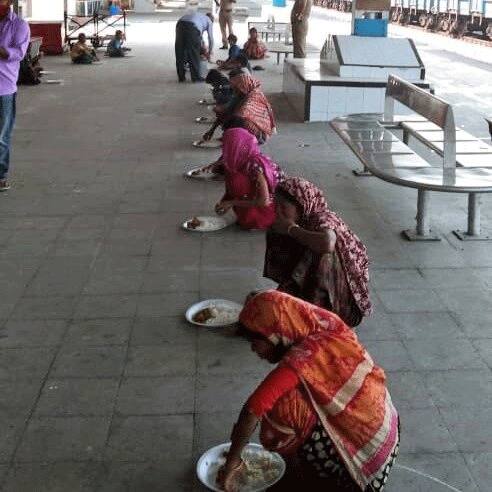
{"x": 291, "y": 227}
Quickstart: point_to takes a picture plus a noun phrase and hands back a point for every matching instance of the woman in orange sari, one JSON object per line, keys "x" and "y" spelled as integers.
{"x": 325, "y": 407}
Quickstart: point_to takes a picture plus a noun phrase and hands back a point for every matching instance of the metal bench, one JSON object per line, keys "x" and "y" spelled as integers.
{"x": 466, "y": 161}
{"x": 275, "y": 29}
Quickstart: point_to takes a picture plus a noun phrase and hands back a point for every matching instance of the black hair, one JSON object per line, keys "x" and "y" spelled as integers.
{"x": 232, "y": 38}
{"x": 253, "y": 29}
{"x": 216, "y": 78}
{"x": 286, "y": 196}
{"x": 235, "y": 72}
{"x": 243, "y": 61}
{"x": 234, "y": 122}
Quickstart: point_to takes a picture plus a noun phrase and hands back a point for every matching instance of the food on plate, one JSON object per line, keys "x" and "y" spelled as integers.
{"x": 205, "y": 315}
{"x": 194, "y": 223}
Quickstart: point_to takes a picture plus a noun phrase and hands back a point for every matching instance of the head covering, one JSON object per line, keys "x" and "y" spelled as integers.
{"x": 347, "y": 390}
{"x": 316, "y": 216}
{"x": 241, "y": 154}
{"x": 217, "y": 79}
{"x": 254, "y": 107}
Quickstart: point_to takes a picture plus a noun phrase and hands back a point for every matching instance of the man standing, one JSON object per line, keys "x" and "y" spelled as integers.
{"x": 189, "y": 31}
{"x": 225, "y": 20}
{"x": 14, "y": 41}
{"x": 299, "y": 19}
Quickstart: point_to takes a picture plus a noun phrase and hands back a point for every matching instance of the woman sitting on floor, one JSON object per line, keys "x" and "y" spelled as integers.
{"x": 325, "y": 408}
{"x": 254, "y": 48}
{"x": 81, "y": 53}
{"x": 312, "y": 254}
{"x": 248, "y": 103}
{"x": 250, "y": 180}
{"x": 221, "y": 87}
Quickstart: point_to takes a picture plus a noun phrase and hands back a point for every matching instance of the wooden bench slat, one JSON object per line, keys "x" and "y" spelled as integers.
{"x": 474, "y": 160}
{"x": 469, "y": 147}
{"x": 435, "y": 136}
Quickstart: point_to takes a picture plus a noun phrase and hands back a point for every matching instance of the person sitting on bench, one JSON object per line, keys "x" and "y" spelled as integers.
{"x": 81, "y": 53}
{"x": 254, "y": 48}
{"x": 115, "y": 47}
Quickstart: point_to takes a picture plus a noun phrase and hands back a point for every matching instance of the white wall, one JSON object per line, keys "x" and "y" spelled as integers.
{"x": 48, "y": 9}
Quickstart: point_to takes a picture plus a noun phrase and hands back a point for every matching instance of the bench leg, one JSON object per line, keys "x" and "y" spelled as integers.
{"x": 278, "y": 58}
{"x": 423, "y": 231}
{"x": 405, "y": 137}
{"x": 474, "y": 228}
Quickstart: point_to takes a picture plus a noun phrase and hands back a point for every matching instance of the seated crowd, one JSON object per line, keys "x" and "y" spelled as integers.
{"x": 325, "y": 407}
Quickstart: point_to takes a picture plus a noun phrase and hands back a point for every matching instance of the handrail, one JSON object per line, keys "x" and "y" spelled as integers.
{"x": 433, "y": 108}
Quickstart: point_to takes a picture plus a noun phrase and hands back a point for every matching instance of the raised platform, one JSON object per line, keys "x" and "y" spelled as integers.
{"x": 318, "y": 93}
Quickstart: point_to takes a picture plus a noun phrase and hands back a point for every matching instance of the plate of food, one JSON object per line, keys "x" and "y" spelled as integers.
{"x": 214, "y": 313}
{"x": 200, "y": 173}
{"x": 263, "y": 468}
{"x": 207, "y": 224}
{"x": 213, "y": 143}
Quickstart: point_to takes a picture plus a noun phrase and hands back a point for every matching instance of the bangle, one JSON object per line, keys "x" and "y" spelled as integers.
{"x": 291, "y": 227}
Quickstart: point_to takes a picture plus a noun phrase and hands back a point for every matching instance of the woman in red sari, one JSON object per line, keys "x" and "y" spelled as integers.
{"x": 254, "y": 48}
{"x": 325, "y": 408}
{"x": 250, "y": 180}
{"x": 312, "y": 254}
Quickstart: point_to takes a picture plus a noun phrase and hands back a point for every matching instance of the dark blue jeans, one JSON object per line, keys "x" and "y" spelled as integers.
{"x": 7, "y": 120}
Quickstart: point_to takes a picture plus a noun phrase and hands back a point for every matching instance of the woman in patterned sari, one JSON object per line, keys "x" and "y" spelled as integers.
{"x": 312, "y": 254}
{"x": 325, "y": 408}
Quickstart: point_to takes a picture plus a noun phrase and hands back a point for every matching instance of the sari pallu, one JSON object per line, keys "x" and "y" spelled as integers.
{"x": 254, "y": 107}
{"x": 346, "y": 389}
{"x": 255, "y": 50}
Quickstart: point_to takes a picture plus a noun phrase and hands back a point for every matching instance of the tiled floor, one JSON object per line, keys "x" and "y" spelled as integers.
{"x": 105, "y": 387}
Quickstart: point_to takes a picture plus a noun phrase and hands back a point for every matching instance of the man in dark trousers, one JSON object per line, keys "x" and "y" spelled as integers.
{"x": 189, "y": 32}
{"x": 14, "y": 41}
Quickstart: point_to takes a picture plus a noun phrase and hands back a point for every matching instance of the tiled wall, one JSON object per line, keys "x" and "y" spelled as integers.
{"x": 328, "y": 102}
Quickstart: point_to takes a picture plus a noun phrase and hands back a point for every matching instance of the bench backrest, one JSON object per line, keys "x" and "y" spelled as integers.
{"x": 427, "y": 105}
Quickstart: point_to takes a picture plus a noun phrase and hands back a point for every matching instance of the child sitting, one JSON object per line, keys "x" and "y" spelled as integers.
{"x": 254, "y": 48}
{"x": 234, "y": 53}
{"x": 115, "y": 47}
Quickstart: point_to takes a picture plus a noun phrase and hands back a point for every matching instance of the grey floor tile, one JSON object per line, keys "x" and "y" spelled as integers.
{"x": 426, "y": 325}
{"x": 170, "y": 304}
{"x": 398, "y": 278}
{"x": 403, "y": 301}
{"x": 108, "y": 306}
{"x": 213, "y": 428}
{"x": 475, "y": 324}
{"x": 169, "y": 475}
{"x": 44, "y": 308}
{"x": 96, "y": 332}
{"x": 17, "y": 364}
{"x": 146, "y": 439}
{"x": 11, "y": 429}
{"x": 77, "y": 397}
{"x": 408, "y": 390}
{"x": 53, "y": 477}
{"x": 170, "y": 281}
{"x": 165, "y": 360}
{"x": 20, "y": 399}
{"x": 391, "y": 355}
{"x": 475, "y": 299}
{"x": 32, "y": 333}
{"x": 163, "y": 331}
{"x": 377, "y": 326}
{"x": 467, "y": 389}
{"x": 57, "y": 439}
{"x": 471, "y": 434}
{"x": 100, "y": 282}
{"x": 74, "y": 361}
{"x": 431, "y": 472}
{"x": 156, "y": 396}
{"x": 424, "y": 431}
{"x": 484, "y": 348}
{"x": 444, "y": 353}
{"x": 480, "y": 465}
{"x": 224, "y": 393}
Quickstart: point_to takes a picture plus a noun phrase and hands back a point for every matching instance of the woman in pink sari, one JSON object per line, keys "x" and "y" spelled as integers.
{"x": 250, "y": 180}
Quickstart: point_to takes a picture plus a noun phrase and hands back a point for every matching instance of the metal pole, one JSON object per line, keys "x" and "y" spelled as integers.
{"x": 474, "y": 202}
{"x": 423, "y": 226}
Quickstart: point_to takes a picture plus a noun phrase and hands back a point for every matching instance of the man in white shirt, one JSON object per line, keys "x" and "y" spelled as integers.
{"x": 189, "y": 32}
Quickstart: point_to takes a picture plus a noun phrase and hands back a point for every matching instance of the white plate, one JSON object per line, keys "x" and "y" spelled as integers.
{"x": 203, "y": 175}
{"x": 208, "y": 144}
{"x": 211, "y": 223}
{"x": 204, "y": 120}
{"x": 211, "y": 460}
{"x": 233, "y": 310}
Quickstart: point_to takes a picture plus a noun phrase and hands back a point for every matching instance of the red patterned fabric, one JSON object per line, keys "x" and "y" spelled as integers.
{"x": 351, "y": 254}
{"x": 347, "y": 390}
{"x": 254, "y": 108}
{"x": 255, "y": 49}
